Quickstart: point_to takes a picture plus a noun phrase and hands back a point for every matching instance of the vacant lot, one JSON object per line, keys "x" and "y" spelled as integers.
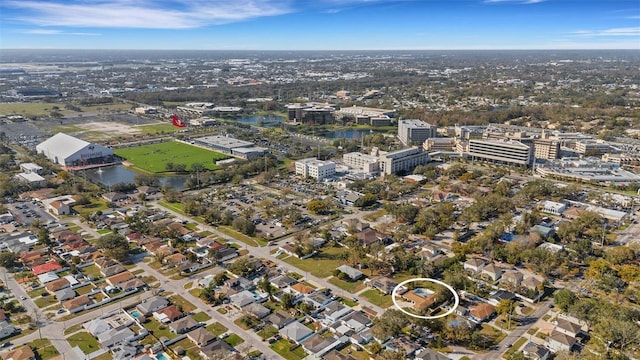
{"x": 155, "y": 157}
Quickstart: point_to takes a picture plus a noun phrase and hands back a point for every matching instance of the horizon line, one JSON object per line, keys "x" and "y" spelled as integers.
{"x": 295, "y": 50}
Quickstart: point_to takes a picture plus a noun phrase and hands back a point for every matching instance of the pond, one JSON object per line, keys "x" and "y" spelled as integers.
{"x": 347, "y": 134}
{"x": 111, "y": 175}
{"x": 263, "y": 121}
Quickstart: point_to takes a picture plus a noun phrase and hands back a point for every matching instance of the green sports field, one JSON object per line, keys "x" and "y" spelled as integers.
{"x": 155, "y": 157}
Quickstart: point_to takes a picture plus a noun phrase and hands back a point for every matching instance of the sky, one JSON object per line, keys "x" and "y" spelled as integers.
{"x": 320, "y": 24}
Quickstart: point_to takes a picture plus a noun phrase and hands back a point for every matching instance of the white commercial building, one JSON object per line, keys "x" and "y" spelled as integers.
{"x": 66, "y": 150}
{"x": 403, "y": 160}
{"x": 501, "y": 151}
{"x": 362, "y": 162}
{"x": 415, "y": 131}
{"x": 314, "y": 168}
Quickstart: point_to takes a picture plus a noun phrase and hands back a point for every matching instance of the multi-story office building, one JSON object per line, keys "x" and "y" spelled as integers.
{"x": 314, "y": 168}
{"x": 546, "y": 149}
{"x": 500, "y": 151}
{"x": 404, "y": 160}
{"x": 363, "y": 162}
{"x": 439, "y": 144}
{"x": 311, "y": 113}
{"x": 415, "y": 131}
{"x": 592, "y": 147}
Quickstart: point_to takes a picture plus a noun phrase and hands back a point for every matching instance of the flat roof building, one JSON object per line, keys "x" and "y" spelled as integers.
{"x": 221, "y": 143}
{"x": 500, "y": 151}
{"x": 362, "y": 162}
{"x": 404, "y": 160}
{"x": 415, "y": 131}
{"x": 314, "y": 168}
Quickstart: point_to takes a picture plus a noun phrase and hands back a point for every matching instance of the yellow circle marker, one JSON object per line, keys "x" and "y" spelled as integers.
{"x": 449, "y": 287}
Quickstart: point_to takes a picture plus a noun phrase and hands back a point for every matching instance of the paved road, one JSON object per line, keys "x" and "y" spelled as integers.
{"x": 265, "y": 252}
{"x": 177, "y": 287}
{"x": 515, "y": 334}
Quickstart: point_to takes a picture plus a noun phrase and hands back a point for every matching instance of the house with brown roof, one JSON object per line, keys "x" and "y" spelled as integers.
{"x": 23, "y": 352}
{"x": 420, "y": 302}
{"x": 301, "y": 289}
{"x": 56, "y": 285}
{"x": 168, "y": 314}
{"x": 175, "y": 259}
{"x": 58, "y": 207}
{"x": 120, "y": 278}
{"x": 133, "y": 284}
{"x": 569, "y": 328}
{"x": 531, "y": 283}
{"x": 76, "y": 304}
{"x": 557, "y": 341}
{"x": 481, "y": 312}
{"x": 112, "y": 270}
{"x": 105, "y": 262}
{"x": 369, "y": 236}
{"x": 201, "y": 336}
{"x": 44, "y": 268}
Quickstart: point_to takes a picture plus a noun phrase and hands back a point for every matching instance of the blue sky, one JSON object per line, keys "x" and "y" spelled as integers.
{"x": 320, "y": 24}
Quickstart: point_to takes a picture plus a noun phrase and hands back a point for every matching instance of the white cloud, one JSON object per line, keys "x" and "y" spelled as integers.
{"x": 57, "y": 32}
{"x": 623, "y": 31}
{"x": 174, "y": 14}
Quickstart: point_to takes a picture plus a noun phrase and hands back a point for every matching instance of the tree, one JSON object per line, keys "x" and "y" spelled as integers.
{"x": 506, "y": 307}
{"x": 564, "y": 299}
{"x": 8, "y": 260}
{"x": 114, "y": 245}
{"x": 317, "y": 207}
{"x": 287, "y": 300}
{"x": 389, "y": 324}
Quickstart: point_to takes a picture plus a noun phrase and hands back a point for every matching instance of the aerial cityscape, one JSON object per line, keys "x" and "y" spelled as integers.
{"x": 337, "y": 180}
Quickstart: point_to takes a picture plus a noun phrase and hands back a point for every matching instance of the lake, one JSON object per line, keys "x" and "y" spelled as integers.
{"x": 111, "y": 175}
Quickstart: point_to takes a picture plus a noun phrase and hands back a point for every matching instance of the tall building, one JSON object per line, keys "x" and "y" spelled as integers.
{"x": 314, "y": 168}
{"x": 546, "y": 149}
{"x": 404, "y": 160}
{"x": 415, "y": 131}
{"x": 501, "y": 151}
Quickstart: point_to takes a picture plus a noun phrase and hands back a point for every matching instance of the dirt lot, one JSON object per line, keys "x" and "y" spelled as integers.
{"x": 110, "y": 128}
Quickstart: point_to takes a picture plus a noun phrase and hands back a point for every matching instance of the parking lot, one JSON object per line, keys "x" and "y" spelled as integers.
{"x": 26, "y": 213}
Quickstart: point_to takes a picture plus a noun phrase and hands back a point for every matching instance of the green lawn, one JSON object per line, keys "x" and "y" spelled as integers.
{"x": 84, "y": 341}
{"x": 153, "y": 129}
{"x": 46, "y": 301}
{"x": 234, "y": 340}
{"x": 35, "y": 108}
{"x": 322, "y": 264}
{"x": 44, "y": 349}
{"x": 283, "y": 347}
{"x": 201, "y": 317}
{"x": 182, "y": 302}
{"x": 515, "y": 347}
{"x": 159, "y": 330}
{"x": 242, "y": 237}
{"x": 377, "y": 298}
{"x": 350, "y": 286}
{"x": 155, "y": 157}
{"x": 267, "y": 332}
{"x": 217, "y": 329}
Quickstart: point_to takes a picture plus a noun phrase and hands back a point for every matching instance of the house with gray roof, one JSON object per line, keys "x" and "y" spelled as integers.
{"x": 217, "y": 350}
{"x": 282, "y": 281}
{"x": 296, "y": 332}
{"x": 242, "y": 299}
{"x": 534, "y": 351}
{"x": 6, "y": 329}
{"x": 352, "y": 273}
{"x": 183, "y": 325}
{"x": 112, "y": 337}
{"x": 334, "y": 311}
{"x": 152, "y": 304}
{"x": 201, "y": 336}
{"x": 257, "y": 310}
{"x": 319, "y": 345}
{"x": 280, "y": 319}
{"x": 65, "y": 294}
{"x": 96, "y": 327}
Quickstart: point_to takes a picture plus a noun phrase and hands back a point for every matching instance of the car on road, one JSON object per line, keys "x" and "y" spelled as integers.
{"x": 23, "y": 297}
{"x": 507, "y": 346}
{"x": 6, "y": 345}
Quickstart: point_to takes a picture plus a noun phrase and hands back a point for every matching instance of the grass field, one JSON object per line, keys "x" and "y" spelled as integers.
{"x": 155, "y": 157}
{"x": 154, "y": 129}
{"x": 85, "y": 341}
{"x": 44, "y": 109}
{"x": 283, "y": 347}
{"x": 377, "y": 298}
{"x": 321, "y": 265}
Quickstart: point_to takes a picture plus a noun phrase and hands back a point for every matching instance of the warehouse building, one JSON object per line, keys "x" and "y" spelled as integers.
{"x": 232, "y": 146}
{"x": 68, "y": 151}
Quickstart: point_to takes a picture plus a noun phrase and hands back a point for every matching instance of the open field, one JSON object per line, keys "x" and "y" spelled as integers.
{"x": 155, "y": 157}
{"x": 44, "y": 109}
{"x": 321, "y": 265}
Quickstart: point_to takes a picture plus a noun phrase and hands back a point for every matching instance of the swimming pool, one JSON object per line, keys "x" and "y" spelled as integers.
{"x": 162, "y": 356}
{"x": 136, "y": 314}
{"x": 422, "y": 292}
